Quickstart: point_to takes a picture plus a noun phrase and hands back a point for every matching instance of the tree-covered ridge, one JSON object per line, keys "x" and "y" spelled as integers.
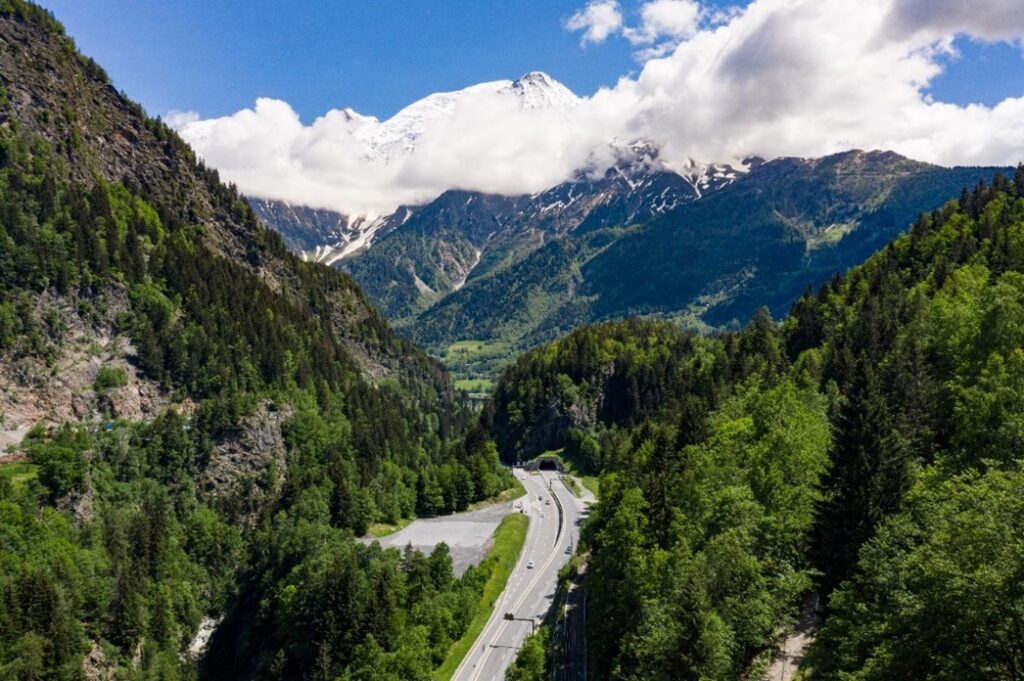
{"x": 616, "y": 375}
{"x": 697, "y": 552}
{"x": 282, "y": 416}
{"x": 52, "y": 94}
{"x": 937, "y": 592}
{"x": 797, "y": 221}
{"x": 869, "y": 445}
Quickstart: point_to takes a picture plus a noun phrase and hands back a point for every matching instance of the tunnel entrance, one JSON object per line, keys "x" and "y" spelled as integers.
{"x": 545, "y": 463}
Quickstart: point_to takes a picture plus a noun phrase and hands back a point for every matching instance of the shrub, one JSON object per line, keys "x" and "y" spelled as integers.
{"x": 109, "y": 378}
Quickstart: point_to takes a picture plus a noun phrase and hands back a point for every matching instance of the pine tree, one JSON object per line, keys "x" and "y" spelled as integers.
{"x": 867, "y": 478}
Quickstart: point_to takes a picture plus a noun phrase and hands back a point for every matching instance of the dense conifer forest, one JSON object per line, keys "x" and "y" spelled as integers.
{"x": 866, "y": 451}
{"x": 115, "y": 542}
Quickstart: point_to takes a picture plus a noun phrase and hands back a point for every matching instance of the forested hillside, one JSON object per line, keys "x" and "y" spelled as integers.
{"x": 208, "y": 421}
{"x": 867, "y": 450}
{"x": 520, "y": 271}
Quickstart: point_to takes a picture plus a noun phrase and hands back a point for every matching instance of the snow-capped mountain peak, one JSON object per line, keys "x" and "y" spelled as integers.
{"x": 396, "y": 136}
{"x": 540, "y": 91}
{"x": 353, "y": 116}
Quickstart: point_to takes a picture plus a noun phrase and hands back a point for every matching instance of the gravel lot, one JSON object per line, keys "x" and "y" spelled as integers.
{"x": 468, "y": 535}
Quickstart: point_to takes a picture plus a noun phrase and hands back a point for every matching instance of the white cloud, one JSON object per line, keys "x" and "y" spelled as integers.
{"x": 985, "y": 19}
{"x": 178, "y": 119}
{"x": 677, "y": 19}
{"x": 483, "y": 139}
{"x": 598, "y": 20}
{"x": 808, "y": 77}
{"x": 777, "y": 78}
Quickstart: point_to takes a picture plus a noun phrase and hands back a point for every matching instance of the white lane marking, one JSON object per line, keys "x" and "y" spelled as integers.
{"x": 503, "y": 622}
{"x": 531, "y": 535}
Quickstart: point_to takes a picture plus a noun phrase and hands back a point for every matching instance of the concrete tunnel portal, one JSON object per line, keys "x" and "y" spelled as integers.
{"x": 545, "y": 463}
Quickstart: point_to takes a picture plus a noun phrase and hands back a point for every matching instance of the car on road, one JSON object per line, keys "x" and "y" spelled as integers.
{"x": 529, "y": 566}
{"x": 547, "y": 503}
{"x": 540, "y": 498}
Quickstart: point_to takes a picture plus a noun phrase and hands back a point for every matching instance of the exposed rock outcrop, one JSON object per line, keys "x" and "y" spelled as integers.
{"x": 57, "y": 383}
{"x": 247, "y": 467}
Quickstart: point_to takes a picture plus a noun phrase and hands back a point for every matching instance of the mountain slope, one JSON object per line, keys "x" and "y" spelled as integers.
{"x": 464, "y": 236}
{"x": 790, "y": 224}
{"x": 705, "y": 246}
{"x": 304, "y": 229}
{"x": 98, "y": 133}
{"x": 864, "y": 454}
{"x": 432, "y": 252}
{"x": 323, "y": 235}
{"x": 759, "y": 240}
{"x": 197, "y": 423}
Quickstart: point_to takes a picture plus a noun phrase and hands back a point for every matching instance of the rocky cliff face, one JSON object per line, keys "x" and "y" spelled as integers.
{"x": 57, "y": 383}
{"x": 247, "y": 466}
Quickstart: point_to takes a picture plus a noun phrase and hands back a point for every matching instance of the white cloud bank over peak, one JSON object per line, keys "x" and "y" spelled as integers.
{"x": 502, "y": 136}
{"x": 777, "y": 78}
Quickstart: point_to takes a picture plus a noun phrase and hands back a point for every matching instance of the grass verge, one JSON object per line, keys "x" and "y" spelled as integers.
{"x": 508, "y": 542}
{"x": 378, "y": 530}
{"x": 571, "y": 483}
{"x": 592, "y": 483}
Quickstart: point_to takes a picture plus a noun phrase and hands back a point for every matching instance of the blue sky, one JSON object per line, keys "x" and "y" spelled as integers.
{"x": 983, "y": 73}
{"x": 253, "y": 80}
{"x": 217, "y": 57}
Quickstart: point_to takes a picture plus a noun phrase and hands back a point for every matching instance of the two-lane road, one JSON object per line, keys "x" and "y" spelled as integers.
{"x": 554, "y": 528}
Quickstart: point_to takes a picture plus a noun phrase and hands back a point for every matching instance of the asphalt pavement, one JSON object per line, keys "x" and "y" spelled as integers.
{"x": 554, "y": 528}
{"x": 468, "y": 535}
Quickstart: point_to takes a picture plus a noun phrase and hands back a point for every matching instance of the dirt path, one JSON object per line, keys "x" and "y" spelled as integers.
{"x": 792, "y": 650}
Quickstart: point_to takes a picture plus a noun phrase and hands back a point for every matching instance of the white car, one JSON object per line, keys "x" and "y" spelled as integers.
{"x": 529, "y": 566}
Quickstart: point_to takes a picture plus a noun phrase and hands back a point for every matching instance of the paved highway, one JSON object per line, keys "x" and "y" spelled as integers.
{"x": 530, "y": 591}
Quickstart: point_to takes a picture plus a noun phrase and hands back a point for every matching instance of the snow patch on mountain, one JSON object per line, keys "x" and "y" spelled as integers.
{"x": 707, "y": 177}
{"x": 385, "y": 141}
{"x": 363, "y": 232}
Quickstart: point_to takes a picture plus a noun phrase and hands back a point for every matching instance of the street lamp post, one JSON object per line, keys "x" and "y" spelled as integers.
{"x": 512, "y": 618}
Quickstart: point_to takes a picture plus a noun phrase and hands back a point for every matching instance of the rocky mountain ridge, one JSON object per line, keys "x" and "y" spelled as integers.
{"x": 64, "y": 108}
{"x": 704, "y": 244}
